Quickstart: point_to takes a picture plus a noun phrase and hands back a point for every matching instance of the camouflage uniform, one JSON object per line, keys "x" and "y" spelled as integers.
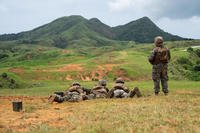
{"x": 159, "y": 58}
{"x": 99, "y": 91}
{"x": 74, "y": 94}
{"x": 121, "y": 91}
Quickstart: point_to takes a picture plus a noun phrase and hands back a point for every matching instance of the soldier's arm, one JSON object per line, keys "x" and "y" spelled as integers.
{"x": 126, "y": 89}
{"x": 152, "y": 55}
{"x": 96, "y": 88}
{"x": 111, "y": 93}
{"x": 73, "y": 88}
{"x": 169, "y": 54}
{"x": 107, "y": 89}
{"x": 88, "y": 91}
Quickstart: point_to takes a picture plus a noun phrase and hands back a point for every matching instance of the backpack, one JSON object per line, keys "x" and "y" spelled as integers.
{"x": 76, "y": 89}
{"x": 162, "y": 55}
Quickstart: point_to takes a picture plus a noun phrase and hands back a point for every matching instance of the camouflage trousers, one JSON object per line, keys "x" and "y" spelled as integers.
{"x": 159, "y": 74}
{"x": 96, "y": 96}
{"x": 120, "y": 94}
{"x": 70, "y": 97}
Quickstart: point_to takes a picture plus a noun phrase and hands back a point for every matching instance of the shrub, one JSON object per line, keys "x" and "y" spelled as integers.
{"x": 198, "y": 62}
{"x": 197, "y": 52}
{"x": 3, "y": 56}
{"x": 190, "y": 50}
{"x": 197, "y": 68}
{"x": 4, "y": 75}
{"x": 184, "y": 60}
{"x": 195, "y": 76}
{"x": 187, "y": 67}
{"x": 12, "y": 81}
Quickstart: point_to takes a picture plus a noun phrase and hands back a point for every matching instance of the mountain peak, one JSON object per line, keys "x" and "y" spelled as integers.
{"x": 145, "y": 18}
{"x": 94, "y": 20}
{"x": 76, "y": 16}
{"x": 72, "y": 17}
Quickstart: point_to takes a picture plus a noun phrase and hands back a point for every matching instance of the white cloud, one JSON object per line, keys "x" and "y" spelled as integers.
{"x": 137, "y": 8}
{"x": 119, "y": 5}
{"x": 157, "y": 8}
{"x": 3, "y": 8}
{"x": 140, "y": 5}
{"x": 188, "y": 28}
{"x": 195, "y": 19}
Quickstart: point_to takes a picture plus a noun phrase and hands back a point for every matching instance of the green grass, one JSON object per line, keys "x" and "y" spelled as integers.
{"x": 47, "y": 88}
{"x": 137, "y": 115}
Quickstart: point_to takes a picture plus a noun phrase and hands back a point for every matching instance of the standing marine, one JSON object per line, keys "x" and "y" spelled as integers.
{"x": 159, "y": 59}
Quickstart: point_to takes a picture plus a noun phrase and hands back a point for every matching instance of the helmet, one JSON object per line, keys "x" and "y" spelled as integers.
{"x": 119, "y": 80}
{"x": 76, "y": 84}
{"x": 158, "y": 40}
{"x": 102, "y": 82}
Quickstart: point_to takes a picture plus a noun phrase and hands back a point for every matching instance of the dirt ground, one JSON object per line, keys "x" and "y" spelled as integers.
{"x": 36, "y": 111}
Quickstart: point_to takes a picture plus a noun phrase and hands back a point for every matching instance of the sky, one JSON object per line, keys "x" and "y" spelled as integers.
{"x": 179, "y": 17}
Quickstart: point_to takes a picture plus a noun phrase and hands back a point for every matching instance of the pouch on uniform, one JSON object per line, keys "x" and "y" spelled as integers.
{"x": 163, "y": 54}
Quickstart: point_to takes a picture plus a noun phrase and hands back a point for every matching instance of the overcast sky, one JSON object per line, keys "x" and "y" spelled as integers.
{"x": 179, "y": 17}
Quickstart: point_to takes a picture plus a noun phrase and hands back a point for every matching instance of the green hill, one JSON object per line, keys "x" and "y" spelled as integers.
{"x": 142, "y": 30}
{"x": 63, "y": 32}
{"x": 101, "y": 28}
{"x": 76, "y": 31}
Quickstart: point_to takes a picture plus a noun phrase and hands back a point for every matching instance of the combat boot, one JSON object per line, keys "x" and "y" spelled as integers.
{"x": 55, "y": 98}
{"x": 156, "y": 93}
{"x": 137, "y": 91}
{"x": 132, "y": 93}
{"x": 165, "y": 91}
{"x": 85, "y": 97}
{"x": 51, "y": 98}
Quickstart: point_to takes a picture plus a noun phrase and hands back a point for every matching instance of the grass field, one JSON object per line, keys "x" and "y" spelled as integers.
{"x": 47, "y": 88}
{"x": 176, "y": 113}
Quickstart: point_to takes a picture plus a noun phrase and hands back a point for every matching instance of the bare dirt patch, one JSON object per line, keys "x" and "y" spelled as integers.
{"x": 66, "y": 51}
{"x": 98, "y": 73}
{"x": 82, "y": 73}
{"x": 36, "y": 111}
{"x": 70, "y": 67}
{"x": 68, "y": 77}
{"x": 17, "y": 70}
{"x": 66, "y": 68}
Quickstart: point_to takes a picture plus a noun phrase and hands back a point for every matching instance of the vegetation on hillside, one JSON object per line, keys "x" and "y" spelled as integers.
{"x": 76, "y": 31}
{"x": 189, "y": 65}
{"x": 142, "y": 30}
{"x": 9, "y": 81}
{"x": 35, "y": 63}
